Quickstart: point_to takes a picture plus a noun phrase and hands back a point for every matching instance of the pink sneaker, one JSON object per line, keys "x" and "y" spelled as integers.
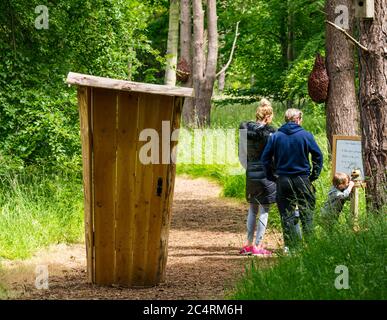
{"x": 246, "y": 250}
{"x": 260, "y": 252}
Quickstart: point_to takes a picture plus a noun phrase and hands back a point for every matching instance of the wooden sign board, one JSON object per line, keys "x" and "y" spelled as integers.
{"x": 347, "y": 155}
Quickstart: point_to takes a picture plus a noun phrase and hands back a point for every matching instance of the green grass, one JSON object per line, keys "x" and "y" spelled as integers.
{"x": 38, "y": 209}
{"x": 310, "y": 273}
{"x": 230, "y": 116}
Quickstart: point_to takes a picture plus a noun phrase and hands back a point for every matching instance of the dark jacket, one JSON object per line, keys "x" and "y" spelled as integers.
{"x": 258, "y": 188}
{"x": 290, "y": 147}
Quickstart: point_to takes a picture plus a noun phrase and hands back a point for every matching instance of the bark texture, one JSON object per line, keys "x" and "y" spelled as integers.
{"x": 173, "y": 42}
{"x": 204, "y": 67}
{"x": 373, "y": 105}
{"x": 186, "y": 54}
{"x": 342, "y": 115}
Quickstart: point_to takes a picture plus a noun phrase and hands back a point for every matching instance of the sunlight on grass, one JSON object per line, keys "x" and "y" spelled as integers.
{"x": 311, "y": 272}
{"x": 37, "y": 210}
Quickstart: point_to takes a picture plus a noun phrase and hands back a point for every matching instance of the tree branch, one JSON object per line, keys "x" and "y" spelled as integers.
{"x": 232, "y": 51}
{"x": 347, "y": 35}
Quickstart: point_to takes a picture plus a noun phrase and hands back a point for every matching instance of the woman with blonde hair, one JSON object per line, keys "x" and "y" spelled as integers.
{"x": 260, "y": 192}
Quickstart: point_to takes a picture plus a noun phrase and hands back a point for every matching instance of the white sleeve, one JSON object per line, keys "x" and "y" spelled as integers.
{"x": 346, "y": 193}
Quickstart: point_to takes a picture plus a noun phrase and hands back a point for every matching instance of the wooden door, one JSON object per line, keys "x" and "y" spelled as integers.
{"x": 127, "y": 202}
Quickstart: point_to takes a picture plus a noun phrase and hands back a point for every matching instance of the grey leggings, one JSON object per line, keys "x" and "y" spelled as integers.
{"x": 252, "y": 221}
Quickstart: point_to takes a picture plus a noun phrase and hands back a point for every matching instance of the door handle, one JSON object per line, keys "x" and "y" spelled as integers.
{"x": 159, "y": 186}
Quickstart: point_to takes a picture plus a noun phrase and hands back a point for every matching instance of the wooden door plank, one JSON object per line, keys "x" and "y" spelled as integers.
{"x": 158, "y": 196}
{"x": 84, "y": 104}
{"x": 148, "y": 118}
{"x": 104, "y": 175}
{"x": 127, "y": 137}
{"x": 167, "y": 204}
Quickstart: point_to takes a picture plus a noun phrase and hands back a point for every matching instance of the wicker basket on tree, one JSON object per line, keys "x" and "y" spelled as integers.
{"x": 318, "y": 82}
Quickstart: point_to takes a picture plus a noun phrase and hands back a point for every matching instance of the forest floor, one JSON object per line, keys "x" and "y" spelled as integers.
{"x": 206, "y": 233}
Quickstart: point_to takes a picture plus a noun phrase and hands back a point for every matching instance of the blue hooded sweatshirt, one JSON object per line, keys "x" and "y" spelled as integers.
{"x": 290, "y": 147}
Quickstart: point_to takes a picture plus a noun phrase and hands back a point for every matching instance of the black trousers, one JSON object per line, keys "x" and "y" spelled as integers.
{"x": 292, "y": 191}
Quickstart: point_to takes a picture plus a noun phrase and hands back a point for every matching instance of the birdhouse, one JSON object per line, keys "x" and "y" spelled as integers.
{"x": 127, "y": 200}
{"x": 364, "y": 9}
{"x": 355, "y": 174}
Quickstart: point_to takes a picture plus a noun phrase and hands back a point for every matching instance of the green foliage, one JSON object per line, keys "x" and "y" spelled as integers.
{"x": 41, "y": 130}
{"x": 262, "y": 64}
{"x": 296, "y": 84}
{"x": 310, "y": 272}
{"x": 152, "y": 70}
{"x": 38, "y": 113}
{"x": 38, "y": 209}
{"x": 39, "y": 121}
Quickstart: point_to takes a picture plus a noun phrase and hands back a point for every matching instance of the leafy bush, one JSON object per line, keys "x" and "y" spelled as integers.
{"x": 311, "y": 272}
{"x": 39, "y": 122}
{"x": 268, "y": 61}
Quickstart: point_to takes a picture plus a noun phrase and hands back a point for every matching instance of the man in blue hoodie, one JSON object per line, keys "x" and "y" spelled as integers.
{"x": 288, "y": 152}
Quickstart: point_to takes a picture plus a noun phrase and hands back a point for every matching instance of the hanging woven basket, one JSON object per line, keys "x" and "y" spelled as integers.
{"x": 318, "y": 82}
{"x": 183, "y": 71}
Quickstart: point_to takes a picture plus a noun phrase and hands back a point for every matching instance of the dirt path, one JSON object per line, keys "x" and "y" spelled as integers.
{"x": 203, "y": 262}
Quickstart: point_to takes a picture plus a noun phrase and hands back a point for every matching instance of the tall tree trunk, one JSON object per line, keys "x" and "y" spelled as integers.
{"x": 373, "y": 105}
{"x": 204, "y": 68}
{"x": 341, "y": 106}
{"x": 186, "y": 54}
{"x": 198, "y": 57}
{"x": 173, "y": 42}
{"x": 221, "y": 81}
